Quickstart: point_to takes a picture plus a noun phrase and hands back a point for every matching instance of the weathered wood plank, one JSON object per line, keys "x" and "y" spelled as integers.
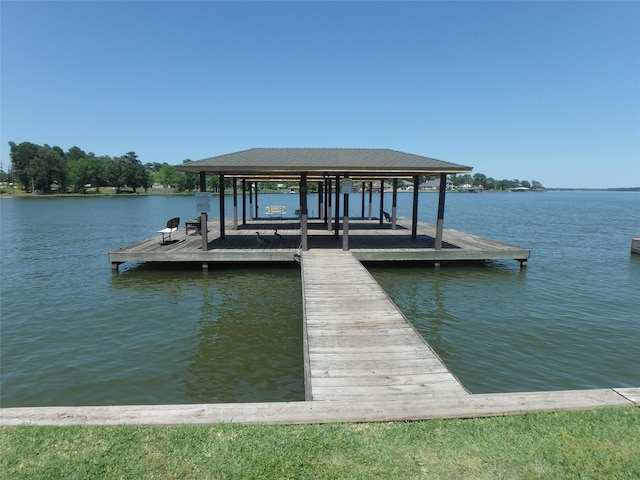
{"x": 357, "y": 343}
{"x": 631, "y": 394}
{"x": 403, "y": 408}
{"x": 368, "y": 241}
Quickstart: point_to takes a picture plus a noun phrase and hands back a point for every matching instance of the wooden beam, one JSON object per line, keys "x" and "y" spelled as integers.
{"x": 250, "y": 200}
{"x": 370, "y": 200}
{"x": 345, "y": 221}
{"x": 303, "y": 212}
{"x": 244, "y": 201}
{"x": 401, "y": 408}
{"x": 204, "y": 231}
{"x": 221, "y": 191}
{"x": 414, "y": 221}
{"x": 440, "y": 222}
{"x": 235, "y": 203}
{"x": 320, "y": 198}
{"x": 329, "y": 205}
{"x": 394, "y": 203}
{"x": 381, "y": 201}
{"x": 337, "y": 212}
{"x": 255, "y": 192}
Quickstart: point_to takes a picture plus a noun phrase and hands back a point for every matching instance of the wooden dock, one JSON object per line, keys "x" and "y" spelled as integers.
{"x": 393, "y": 410}
{"x": 358, "y": 345}
{"x": 369, "y": 240}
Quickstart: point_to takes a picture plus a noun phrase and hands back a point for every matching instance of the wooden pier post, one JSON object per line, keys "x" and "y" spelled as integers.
{"x": 244, "y": 201}
{"x": 204, "y": 229}
{"x": 221, "y": 190}
{"x": 329, "y": 221}
{"x": 345, "y": 220}
{"x": 394, "y": 202}
{"x": 414, "y": 219}
{"x": 303, "y": 212}
{"x": 440, "y": 222}
{"x": 255, "y": 192}
{"x": 235, "y": 203}
{"x": 320, "y": 199}
{"x": 381, "y": 201}
{"x": 336, "y": 216}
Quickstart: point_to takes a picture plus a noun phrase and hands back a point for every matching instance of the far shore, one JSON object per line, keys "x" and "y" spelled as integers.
{"x": 18, "y": 193}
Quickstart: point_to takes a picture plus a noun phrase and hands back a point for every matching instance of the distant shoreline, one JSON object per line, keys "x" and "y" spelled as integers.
{"x": 182, "y": 194}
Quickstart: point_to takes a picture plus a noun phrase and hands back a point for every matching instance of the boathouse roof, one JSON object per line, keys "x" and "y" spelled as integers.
{"x": 356, "y": 162}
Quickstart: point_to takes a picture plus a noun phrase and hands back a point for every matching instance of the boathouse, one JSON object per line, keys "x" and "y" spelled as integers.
{"x": 273, "y": 234}
{"x": 337, "y": 171}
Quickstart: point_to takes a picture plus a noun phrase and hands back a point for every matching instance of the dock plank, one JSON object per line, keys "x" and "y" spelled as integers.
{"x": 358, "y": 345}
{"x": 382, "y": 409}
{"x": 368, "y": 241}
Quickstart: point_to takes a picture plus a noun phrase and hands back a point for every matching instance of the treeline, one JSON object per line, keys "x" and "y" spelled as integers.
{"x": 488, "y": 183}
{"x": 49, "y": 169}
{"x": 46, "y": 169}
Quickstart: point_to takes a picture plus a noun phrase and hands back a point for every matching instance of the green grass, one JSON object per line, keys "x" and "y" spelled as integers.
{"x": 599, "y": 444}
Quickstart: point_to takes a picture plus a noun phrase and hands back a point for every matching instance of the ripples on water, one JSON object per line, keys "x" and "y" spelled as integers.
{"x": 570, "y": 320}
{"x": 74, "y": 334}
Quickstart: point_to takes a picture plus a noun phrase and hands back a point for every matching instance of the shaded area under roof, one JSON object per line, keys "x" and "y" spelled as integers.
{"x": 320, "y": 162}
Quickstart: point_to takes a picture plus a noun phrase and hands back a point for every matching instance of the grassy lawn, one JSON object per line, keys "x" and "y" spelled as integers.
{"x": 598, "y": 444}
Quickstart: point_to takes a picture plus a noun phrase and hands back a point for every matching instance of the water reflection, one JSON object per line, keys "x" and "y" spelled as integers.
{"x": 452, "y": 307}
{"x": 244, "y": 339}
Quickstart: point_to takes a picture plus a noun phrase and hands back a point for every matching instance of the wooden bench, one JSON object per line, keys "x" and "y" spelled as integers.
{"x": 278, "y": 210}
{"x": 194, "y": 225}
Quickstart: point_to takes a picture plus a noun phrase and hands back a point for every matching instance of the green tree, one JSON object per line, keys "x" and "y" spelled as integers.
{"x": 167, "y": 176}
{"x": 87, "y": 170}
{"x": 128, "y": 171}
{"x": 39, "y": 167}
{"x": 479, "y": 179}
{"x": 504, "y": 184}
{"x": 489, "y": 184}
{"x": 75, "y": 153}
{"x": 154, "y": 167}
{"x": 79, "y": 174}
{"x": 49, "y": 168}
{"x": 22, "y": 155}
{"x": 187, "y": 181}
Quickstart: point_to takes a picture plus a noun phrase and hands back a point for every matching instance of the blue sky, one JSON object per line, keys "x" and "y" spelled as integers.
{"x": 546, "y": 91}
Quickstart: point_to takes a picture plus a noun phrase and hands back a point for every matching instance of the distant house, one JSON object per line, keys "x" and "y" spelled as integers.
{"x": 434, "y": 184}
{"x": 467, "y": 188}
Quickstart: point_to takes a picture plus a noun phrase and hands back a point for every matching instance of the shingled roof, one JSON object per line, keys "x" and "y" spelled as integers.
{"x": 319, "y": 162}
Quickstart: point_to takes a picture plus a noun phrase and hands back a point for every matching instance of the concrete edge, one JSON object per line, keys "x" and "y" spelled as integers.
{"x": 631, "y": 394}
{"x": 393, "y": 409}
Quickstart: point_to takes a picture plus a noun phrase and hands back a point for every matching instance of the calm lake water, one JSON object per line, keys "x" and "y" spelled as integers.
{"x": 74, "y": 334}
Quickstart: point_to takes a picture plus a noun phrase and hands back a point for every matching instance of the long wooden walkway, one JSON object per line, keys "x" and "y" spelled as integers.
{"x": 358, "y": 345}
